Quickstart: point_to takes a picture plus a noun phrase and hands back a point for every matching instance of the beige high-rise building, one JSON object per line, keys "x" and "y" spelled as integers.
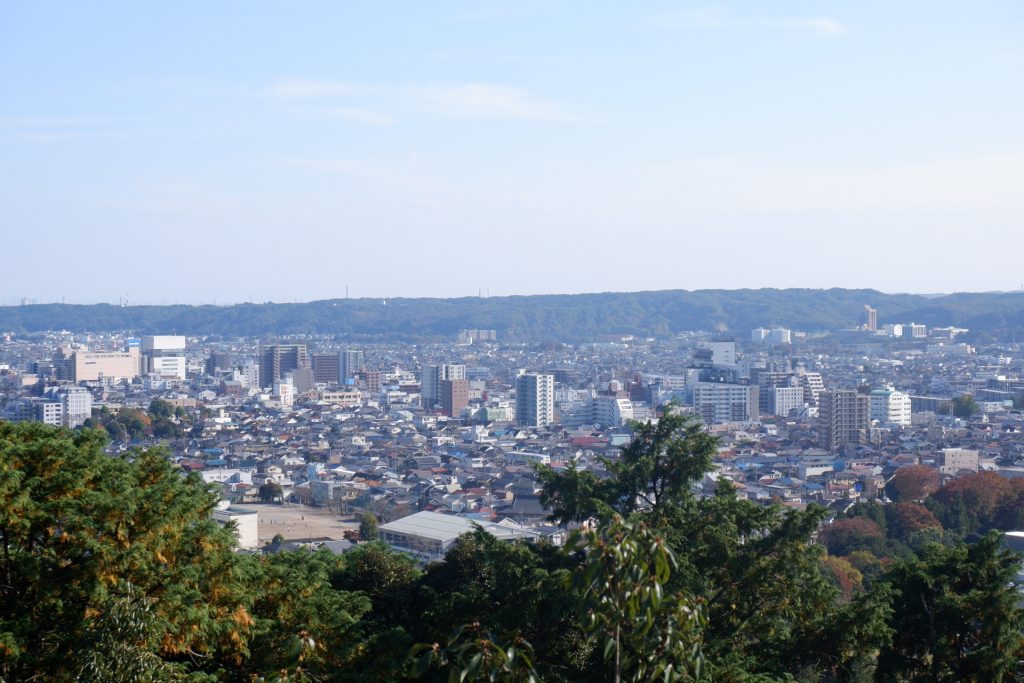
{"x": 844, "y": 419}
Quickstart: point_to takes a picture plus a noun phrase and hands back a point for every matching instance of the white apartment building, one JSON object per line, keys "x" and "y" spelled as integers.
{"x": 535, "y": 400}
{"x": 890, "y": 406}
{"x": 720, "y": 403}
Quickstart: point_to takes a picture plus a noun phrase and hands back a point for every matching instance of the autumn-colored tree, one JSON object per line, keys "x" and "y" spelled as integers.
{"x": 842, "y": 574}
{"x": 980, "y": 496}
{"x": 844, "y": 536}
{"x": 913, "y": 483}
{"x": 83, "y": 531}
{"x": 909, "y": 518}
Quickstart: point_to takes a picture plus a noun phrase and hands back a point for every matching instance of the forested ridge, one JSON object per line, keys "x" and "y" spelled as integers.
{"x": 112, "y": 570}
{"x": 577, "y": 317}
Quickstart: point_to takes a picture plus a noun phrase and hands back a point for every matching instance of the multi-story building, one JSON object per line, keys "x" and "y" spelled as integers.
{"x": 351, "y": 362}
{"x": 813, "y": 385}
{"x": 956, "y": 460}
{"x": 891, "y": 406}
{"x": 279, "y": 359}
{"x": 454, "y": 396}
{"x": 284, "y": 391}
{"x": 218, "y": 362}
{"x": 535, "y": 400}
{"x": 782, "y": 400}
{"x": 164, "y": 356}
{"x": 327, "y": 368}
{"x": 430, "y": 382}
{"x": 844, "y": 419}
{"x": 91, "y": 366}
{"x": 870, "y": 318}
{"x": 611, "y": 411}
{"x": 76, "y": 405}
{"x": 718, "y": 403}
{"x": 723, "y": 352}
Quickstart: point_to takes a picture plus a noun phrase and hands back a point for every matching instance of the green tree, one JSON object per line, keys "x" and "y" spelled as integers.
{"x": 645, "y": 631}
{"x": 655, "y": 473}
{"x": 510, "y": 589}
{"x": 78, "y": 524}
{"x": 368, "y": 527}
{"x": 965, "y": 406}
{"x": 270, "y": 491}
{"x": 956, "y": 616}
{"x": 301, "y": 623}
{"x": 473, "y": 654}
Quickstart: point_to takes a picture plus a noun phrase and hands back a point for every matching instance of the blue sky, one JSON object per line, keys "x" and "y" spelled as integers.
{"x": 232, "y": 151}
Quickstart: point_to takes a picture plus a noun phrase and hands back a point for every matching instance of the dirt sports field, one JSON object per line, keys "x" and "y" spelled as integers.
{"x": 298, "y": 522}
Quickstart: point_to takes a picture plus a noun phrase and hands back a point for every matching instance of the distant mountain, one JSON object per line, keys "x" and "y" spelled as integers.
{"x": 568, "y": 317}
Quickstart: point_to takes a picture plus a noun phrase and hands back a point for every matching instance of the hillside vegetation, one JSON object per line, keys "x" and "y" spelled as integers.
{"x": 563, "y": 317}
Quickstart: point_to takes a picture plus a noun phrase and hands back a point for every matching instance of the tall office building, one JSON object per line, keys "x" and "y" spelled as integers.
{"x": 279, "y": 359}
{"x": 535, "y": 400}
{"x": 430, "y": 382}
{"x": 327, "y": 368}
{"x": 870, "y": 318}
{"x": 844, "y": 419}
{"x": 218, "y": 362}
{"x": 164, "y": 355}
{"x": 350, "y": 362}
{"x": 454, "y": 396}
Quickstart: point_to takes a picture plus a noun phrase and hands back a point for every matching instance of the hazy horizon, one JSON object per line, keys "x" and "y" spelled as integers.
{"x": 131, "y": 302}
{"x": 270, "y": 151}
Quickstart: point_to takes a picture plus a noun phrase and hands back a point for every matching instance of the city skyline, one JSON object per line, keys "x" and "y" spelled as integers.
{"x": 200, "y": 154}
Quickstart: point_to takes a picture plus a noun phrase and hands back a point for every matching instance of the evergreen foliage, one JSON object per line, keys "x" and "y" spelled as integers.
{"x": 112, "y": 570}
{"x": 577, "y": 317}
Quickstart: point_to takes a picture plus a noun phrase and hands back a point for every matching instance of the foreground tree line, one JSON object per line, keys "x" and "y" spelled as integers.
{"x": 111, "y": 570}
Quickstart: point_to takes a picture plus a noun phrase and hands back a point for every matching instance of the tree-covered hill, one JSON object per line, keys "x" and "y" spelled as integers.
{"x": 568, "y": 317}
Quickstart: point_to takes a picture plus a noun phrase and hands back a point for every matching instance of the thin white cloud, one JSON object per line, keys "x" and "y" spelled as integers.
{"x": 464, "y": 100}
{"x": 52, "y": 121}
{"x": 361, "y": 115}
{"x": 313, "y": 88}
{"x": 813, "y": 24}
{"x": 722, "y": 19}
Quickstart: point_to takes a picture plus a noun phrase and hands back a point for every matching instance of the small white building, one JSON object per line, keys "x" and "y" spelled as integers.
{"x": 246, "y": 524}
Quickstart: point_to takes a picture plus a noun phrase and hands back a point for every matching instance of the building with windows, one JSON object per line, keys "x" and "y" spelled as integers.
{"x": 870, "y": 318}
{"x": 844, "y": 419}
{"x": 327, "y": 368}
{"x": 890, "y": 406}
{"x": 430, "y": 382}
{"x": 164, "y": 356}
{"x": 535, "y": 400}
{"x": 454, "y": 396}
{"x": 91, "y": 366}
{"x": 351, "y": 362}
{"x": 718, "y": 403}
{"x": 279, "y": 359}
